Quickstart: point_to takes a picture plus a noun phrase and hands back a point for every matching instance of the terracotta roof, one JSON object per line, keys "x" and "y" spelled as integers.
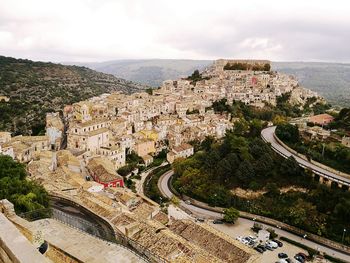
{"x": 321, "y": 118}
{"x": 103, "y": 170}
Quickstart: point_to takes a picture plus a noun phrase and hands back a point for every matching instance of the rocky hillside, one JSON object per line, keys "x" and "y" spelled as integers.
{"x": 34, "y": 88}
{"x": 331, "y": 80}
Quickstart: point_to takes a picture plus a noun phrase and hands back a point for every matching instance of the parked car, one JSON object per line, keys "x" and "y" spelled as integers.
{"x": 299, "y": 258}
{"x": 268, "y": 247}
{"x": 251, "y": 243}
{"x": 245, "y": 241}
{"x": 302, "y": 255}
{"x": 282, "y": 255}
{"x": 279, "y": 243}
{"x": 218, "y": 221}
{"x": 272, "y": 244}
{"x": 262, "y": 247}
{"x": 199, "y": 219}
{"x": 259, "y": 250}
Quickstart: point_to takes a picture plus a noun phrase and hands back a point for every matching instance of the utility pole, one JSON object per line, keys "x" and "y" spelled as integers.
{"x": 344, "y": 231}
{"x": 323, "y": 146}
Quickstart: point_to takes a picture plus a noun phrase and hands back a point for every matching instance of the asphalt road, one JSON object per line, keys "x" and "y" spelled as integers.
{"x": 268, "y": 133}
{"x": 200, "y": 212}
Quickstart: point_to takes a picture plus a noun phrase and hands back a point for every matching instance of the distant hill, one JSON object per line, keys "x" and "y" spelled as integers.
{"x": 151, "y": 72}
{"x": 35, "y": 88}
{"x": 331, "y": 80}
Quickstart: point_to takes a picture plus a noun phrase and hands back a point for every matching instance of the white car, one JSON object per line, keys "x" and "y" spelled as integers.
{"x": 272, "y": 244}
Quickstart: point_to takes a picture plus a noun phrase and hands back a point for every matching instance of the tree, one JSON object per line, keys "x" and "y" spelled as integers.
{"x": 290, "y": 167}
{"x": 220, "y": 105}
{"x": 255, "y": 127}
{"x": 10, "y": 168}
{"x": 25, "y": 195}
{"x": 305, "y": 215}
{"x": 272, "y": 232}
{"x": 174, "y": 200}
{"x": 288, "y": 133}
{"x": 272, "y": 190}
{"x": 226, "y": 168}
{"x": 207, "y": 143}
{"x": 267, "y": 67}
{"x": 342, "y": 209}
{"x": 149, "y": 91}
{"x": 231, "y": 215}
{"x": 279, "y": 119}
{"x": 245, "y": 172}
{"x": 241, "y": 127}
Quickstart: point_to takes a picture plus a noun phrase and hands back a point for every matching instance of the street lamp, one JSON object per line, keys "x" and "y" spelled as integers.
{"x": 215, "y": 195}
{"x": 342, "y": 240}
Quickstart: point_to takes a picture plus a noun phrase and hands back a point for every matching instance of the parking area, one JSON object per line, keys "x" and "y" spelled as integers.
{"x": 243, "y": 230}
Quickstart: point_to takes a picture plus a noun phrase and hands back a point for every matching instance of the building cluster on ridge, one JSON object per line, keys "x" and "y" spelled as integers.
{"x": 112, "y": 125}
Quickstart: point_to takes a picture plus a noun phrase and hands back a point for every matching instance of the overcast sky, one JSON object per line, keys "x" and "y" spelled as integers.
{"x": 98, "y": 30}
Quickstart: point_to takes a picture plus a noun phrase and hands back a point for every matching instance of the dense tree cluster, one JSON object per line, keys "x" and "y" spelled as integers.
{"x": 196, "y": 76}
{"x": 247, "y": 66}
{"x": 151, "y": 189}
{"x": 25, "y": 195}
{"x": 330, "y": 153}
{"x": 231, "y": 215}
{"x": 243, "y": 160}
{"x": 133, "y": 161}
{"x": 342, "y": 120}
{"x": 288, "y": 133}
{"x": 268, "y": 113}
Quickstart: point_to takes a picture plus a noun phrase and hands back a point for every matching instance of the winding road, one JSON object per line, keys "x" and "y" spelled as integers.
{"x": 268, "y": 136}
{"x": 201, "y": 212}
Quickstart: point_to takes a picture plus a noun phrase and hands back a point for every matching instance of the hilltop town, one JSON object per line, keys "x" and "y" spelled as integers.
{"x": 94, "y": 137}
{"x": 112, "y": 125}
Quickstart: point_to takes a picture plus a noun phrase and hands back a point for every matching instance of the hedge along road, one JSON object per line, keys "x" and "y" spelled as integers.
{"x": 268, "y": 136}
{"x": 163, "y": 185}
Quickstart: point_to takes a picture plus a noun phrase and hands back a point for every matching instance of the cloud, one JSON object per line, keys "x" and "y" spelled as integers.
{"x": 96, "y": 30}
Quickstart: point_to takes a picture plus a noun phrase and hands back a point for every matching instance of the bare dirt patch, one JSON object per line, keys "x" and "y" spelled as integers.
{"x": 250, "y": 194}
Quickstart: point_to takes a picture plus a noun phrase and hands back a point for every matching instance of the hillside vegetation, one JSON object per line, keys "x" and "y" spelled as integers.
{"x": 35, "y": 88}
{"x": 220, "y": 170}
{"x": 24, "y": 194}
